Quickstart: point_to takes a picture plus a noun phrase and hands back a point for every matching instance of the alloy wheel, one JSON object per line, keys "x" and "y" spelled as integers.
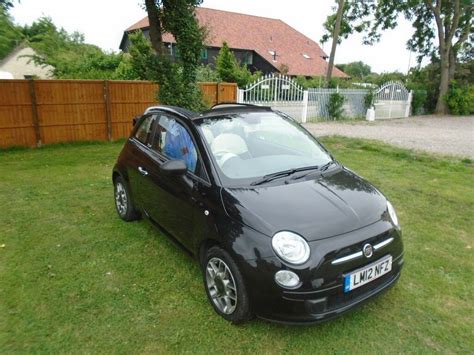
{"x": 121, "y": 199}
{"x": 221, "y": 285}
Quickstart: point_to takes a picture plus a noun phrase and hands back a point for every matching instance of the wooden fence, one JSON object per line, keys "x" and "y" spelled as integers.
{"x": 35, "y": 112}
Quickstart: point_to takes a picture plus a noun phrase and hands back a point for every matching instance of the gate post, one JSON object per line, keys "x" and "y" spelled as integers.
{"x": 304, "y": 113}
{"x": 240, "y": 96}
{"x": 408, "y": 104}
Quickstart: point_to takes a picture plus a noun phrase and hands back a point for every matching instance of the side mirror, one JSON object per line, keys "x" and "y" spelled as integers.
{"x": 174, "y": 167}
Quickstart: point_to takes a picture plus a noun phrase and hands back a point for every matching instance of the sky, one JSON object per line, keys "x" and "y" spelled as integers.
{"x": 103, "y": 23}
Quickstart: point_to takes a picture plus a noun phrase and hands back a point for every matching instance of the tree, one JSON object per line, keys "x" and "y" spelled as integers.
{"x": 226, "y": 64}
{"x": 156, "y": 27}
{"x": 349, "y": 17}
{"x": 67, "y": 53}
{"x": 6, "y": 4}
{"x": 10, "y": 34}
{"x": 442, "y": 29}
{"x": 177, "y": 79}
{"x": 141, "y": 63}
{"x": 230, "y": 70}
{"x": 358, "y": 69}
{"x": 335, "y": 38}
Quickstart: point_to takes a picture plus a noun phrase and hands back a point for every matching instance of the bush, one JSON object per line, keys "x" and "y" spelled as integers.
{"x": 230, "y": 70}
{"x": 369, "y": 100}
{"x": 205, "y": 73}
{"x": 418, "y": 101}
{"x": 335, "y": 106}
{"x": 460, "y": 99}
{"x": 175, "y": 90}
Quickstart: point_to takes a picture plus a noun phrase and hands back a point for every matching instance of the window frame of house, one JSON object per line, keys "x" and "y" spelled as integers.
{"x": 247, "y": 58}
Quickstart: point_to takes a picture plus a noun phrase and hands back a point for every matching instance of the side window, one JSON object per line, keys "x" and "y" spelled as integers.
{"x": 144, "y": 131}
{"x": 174, "y": 141}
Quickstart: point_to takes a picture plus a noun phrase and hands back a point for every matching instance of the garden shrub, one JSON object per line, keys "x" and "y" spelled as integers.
{"x": 460, "y": 99}
{"x": 335, "y": 106}
{"x": 205, "y": 73}
{"x": 418, "y": 102}
{"x": 175, "y": 90}
{"x": 369, "y": 99}
{"x": 230, "y": 70}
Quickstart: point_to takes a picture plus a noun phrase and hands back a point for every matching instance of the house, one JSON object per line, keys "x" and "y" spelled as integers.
{"x": 19, "y": 65}
{"x": 264, "y": 44}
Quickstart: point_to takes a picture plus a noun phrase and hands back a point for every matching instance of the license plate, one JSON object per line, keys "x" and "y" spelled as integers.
{"x": 367, "y": 274}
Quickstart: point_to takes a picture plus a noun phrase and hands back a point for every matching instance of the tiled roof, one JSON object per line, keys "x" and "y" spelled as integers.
{"x": 302, "y": 55}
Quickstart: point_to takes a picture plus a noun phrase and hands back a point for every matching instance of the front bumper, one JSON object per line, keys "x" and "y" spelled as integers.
{"x": 321, "y": 295}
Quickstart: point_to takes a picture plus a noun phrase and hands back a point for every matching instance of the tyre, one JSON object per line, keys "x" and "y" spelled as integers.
{"x": 225, "y": 286}
{"x": 123, "y": 201}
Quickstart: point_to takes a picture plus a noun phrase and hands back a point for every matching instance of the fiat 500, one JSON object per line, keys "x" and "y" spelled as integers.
{"x": 280, "y": 229}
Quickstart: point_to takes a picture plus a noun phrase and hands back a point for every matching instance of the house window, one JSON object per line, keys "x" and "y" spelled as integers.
{"x": 204, "y": 53}
{"x": 247, "y": 58}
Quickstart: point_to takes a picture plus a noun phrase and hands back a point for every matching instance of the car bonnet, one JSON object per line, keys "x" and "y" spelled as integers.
{"x": 318, "y": 208}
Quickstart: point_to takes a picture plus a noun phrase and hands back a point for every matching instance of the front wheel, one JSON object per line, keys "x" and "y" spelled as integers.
{"x": 123, "y": 202}
{"x": 225, "y": 286}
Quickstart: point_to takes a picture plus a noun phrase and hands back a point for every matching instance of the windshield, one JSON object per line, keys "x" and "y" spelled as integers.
{"x": 246, "y": 146}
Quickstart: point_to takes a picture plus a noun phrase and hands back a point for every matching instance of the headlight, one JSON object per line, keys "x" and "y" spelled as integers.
{"x": 291, "y": 247}
{"x": 287, "y": 279}
{"x": 391, "y": 212}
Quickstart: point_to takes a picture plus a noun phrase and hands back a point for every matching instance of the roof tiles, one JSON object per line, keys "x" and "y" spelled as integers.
{"x": 302, "y": 55}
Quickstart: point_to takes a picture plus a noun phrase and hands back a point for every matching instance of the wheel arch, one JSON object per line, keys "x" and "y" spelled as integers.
{"x": 205, "y": 245}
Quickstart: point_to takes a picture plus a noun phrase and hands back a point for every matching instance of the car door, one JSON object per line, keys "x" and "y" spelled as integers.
{"x": 168, "y": 200}
{"x": 137, "y": 156}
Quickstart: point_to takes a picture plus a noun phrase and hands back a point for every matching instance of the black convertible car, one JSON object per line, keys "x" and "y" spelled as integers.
{"x": 280, "y": 228}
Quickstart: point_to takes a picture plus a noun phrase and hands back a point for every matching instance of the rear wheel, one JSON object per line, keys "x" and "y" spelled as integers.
{"x": 225, "y": 286}
{"x": 123, "y": 202}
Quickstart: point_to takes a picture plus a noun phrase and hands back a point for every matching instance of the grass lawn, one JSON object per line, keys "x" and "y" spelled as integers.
{"x": 74, "y": 278}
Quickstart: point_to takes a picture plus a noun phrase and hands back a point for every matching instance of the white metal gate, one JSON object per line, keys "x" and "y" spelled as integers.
{"x": 278, "y": 91}
{"x": 282, "y": 93}
{"x": 392, "y": 100}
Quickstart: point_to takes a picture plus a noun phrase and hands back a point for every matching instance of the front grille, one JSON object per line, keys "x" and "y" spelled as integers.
{"x": 357, "y": 247}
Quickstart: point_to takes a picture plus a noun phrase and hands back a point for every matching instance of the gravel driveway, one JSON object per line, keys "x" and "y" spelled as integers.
{"x": 447, "y": 135}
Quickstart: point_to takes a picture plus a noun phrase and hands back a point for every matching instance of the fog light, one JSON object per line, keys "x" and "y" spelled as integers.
{"x": 287, "y": 279}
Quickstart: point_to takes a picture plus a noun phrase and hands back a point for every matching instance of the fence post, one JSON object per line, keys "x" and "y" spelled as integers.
{"x": 218, "y": 93}
{"x": 108, "y": 118}
{"x": 304, "y": 114}
{"x": 34, "y": 109}
{"x": 408, "y": 104}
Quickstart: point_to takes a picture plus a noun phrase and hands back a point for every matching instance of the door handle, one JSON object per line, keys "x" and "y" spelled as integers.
{"x": 142, "y": 171}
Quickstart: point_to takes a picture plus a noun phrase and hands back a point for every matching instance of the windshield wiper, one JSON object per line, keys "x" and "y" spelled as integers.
{"x": 327, "y": 165}
{"x": 280, "y": 174}
{"x": 319, "y": 169}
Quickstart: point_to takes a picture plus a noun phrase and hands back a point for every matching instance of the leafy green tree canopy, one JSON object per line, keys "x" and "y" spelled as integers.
{"x": 356, "y": 69}
{"x": 177, "y": 77}
{"x": 67, "y": 53}
{"x": 10, "y": 34}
